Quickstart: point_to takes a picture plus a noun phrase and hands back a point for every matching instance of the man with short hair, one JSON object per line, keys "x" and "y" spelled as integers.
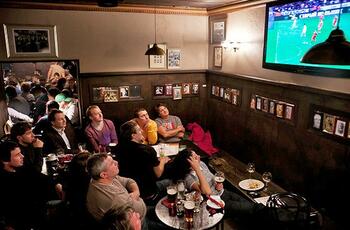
{"x": 108, "y": 190}
{"x": 148, "y": 126}
{"x": 30, "y": 146}
{"x": 100, "y": 132}
{"x": 140, "y": 162}
{"x": 23, "y": 193}
{"x": 170, "y": 128}
{"x": 59, "y": 137}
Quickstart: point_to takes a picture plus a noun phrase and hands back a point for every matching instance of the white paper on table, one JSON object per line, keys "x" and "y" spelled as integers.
{"x": 169, "y": 149}
{"x": 262, "y": 200}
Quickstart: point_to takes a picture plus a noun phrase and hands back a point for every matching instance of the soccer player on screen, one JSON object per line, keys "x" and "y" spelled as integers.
{"x": 335, "y": 21}
{"x": 314, "y": 36}
{"x": 303, "y": 32}
{"x": 320, "y": 25}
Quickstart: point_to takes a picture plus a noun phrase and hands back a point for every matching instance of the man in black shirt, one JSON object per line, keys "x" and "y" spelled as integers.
{"x": 140, "y": 162}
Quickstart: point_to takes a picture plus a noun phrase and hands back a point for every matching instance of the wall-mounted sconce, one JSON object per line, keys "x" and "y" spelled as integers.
{"x": 232, "y": 45}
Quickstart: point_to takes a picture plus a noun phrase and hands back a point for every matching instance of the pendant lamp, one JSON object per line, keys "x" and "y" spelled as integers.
{"x": 334, "y": 51}
{"x": 155, "y": 50}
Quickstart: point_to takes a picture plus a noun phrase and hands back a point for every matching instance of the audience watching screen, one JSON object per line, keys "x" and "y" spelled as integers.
{"x": 31, "y": 85}
{"x": 293, "y": 27}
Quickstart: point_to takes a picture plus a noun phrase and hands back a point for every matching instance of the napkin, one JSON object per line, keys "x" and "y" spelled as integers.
{"x": 262, "y": 200}
{"x": 166, "y": 203}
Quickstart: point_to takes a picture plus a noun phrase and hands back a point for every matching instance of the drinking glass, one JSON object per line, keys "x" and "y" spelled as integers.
{"x": 250, "y": 169}
{"x": 219, "y": 178}
{"x": 171, "y": 193}
{"x": 197, "y": 198}
{"x": 266, "y": 177}
{"x": 180, "y": 190}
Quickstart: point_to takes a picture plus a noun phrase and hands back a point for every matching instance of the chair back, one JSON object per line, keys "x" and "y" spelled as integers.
{"x": 289, "y": 210}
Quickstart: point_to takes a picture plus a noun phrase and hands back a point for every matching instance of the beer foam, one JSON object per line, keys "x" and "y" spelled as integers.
{"x": 189, "y": 205}
{"x": 171, "y": 191}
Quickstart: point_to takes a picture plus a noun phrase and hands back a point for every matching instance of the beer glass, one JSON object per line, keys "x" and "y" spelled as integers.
{"x": 219, "y": 178}
{"x": 171, "y": 193}
{"x": 189, "y": 208}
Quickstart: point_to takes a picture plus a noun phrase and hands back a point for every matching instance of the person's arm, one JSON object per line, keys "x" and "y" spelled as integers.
{"x": 91, "y": 139}
{"x": 203, "y": 185}
{"x": 114, "y": 137}
{"x": 158, "y": 170}
{"x": 133, "y": 189}
{"x": 152, "y": 130}
{"x": 14, "y": 113}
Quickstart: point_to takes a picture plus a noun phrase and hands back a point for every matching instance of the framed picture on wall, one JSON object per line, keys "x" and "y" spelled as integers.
{"x": 135, "y": 91}
{"x": 280, "y": 109}
{"x": 235, "y": 94}
{"x": 174, "y": 58}
{"x": 217, "y": 30}
{"x": 168, "y": 89}
{"x": 265, "y": 104}
{"x": 111, "y": 95}
{"x": 272, "y": 107}
{"x": 258, "y": 103}
{"x": 328, "y": 123}
{"x": 38, "y": 41}
{"x": 340, "y": 126}
{"x": 227, "y": 95}
{"x": 218, "y": 56}
{"x": 222, "y": 89}
{"x": 177, "y": 94}
{"x": 124, "y": 92}
{"x": 253, "y": 102}
{"x": 317, "y": 120}
{"x": 98, "y": 94}
{"x": 158, "y": 90}
{"x": 157, "y": 61}
{"x": 186, "y": 88}
{"x": 217, "y": 91}
{"x": 195, "y": 88}
{"x": 289, "y": 111}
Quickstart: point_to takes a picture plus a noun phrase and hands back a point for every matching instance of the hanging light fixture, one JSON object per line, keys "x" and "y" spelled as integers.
{"x": 155, "y": 50}
{"x": 334, "y": 51}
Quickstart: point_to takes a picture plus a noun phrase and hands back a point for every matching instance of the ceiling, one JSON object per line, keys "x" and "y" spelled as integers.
{"x": 206, "y": 4}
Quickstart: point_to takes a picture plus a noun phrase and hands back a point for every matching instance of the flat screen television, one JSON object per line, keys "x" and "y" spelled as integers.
{"x": 293, "y": 27}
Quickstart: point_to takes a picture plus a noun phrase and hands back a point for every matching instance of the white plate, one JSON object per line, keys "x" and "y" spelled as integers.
{"x": 212, "y": 204}
{"x": 251, "y": 184}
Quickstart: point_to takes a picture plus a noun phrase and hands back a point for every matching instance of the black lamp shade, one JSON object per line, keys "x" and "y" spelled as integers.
{"x": 107, "y": 3}
{"x": 334, "y": 51}
{"x": 155, "y": 50}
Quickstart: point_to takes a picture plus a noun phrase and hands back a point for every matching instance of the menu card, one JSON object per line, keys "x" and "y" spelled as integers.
{"x": 166, "y": 149}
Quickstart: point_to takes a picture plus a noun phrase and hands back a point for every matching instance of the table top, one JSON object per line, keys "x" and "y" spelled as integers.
{"x": 202, "y": 219}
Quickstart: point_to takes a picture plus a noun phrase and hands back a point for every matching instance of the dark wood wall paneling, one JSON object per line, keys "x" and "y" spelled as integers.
{"x": 301, "y": 159}
{"x": 189, "y": 109}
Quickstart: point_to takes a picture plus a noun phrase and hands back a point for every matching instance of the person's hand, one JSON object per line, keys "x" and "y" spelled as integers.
{"x": 194, "y": 161}
{"x": 164, "y": 160}
{"x": 180, "y": 134}
{"x": 180, "y": 128}
{"x": 135, "y": 195}
{"x": 38, "y": 143}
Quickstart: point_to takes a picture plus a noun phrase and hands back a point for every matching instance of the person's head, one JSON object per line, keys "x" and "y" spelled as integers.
{"x": 162, "y": 110}
{"x": 10, "y": 91}
{"x": 25, "y": 87}
{"x": 94, "y": 113}
{"x": 21, "y": 132}
{"x": 102, "y": 166}
{"x": 10, "y": 155}
{"x": 180, "y": 166}
{"x": 50, "y": 105}
{"x": 122, "y": 218}
{"x": 53, "y": 92}
{"x": 141, "y": 116}
{"x": 77, "y": 167}
{"x": 60, "y": 83}
{"x": 57, "y": 119}
{"x": 131, "y": 131}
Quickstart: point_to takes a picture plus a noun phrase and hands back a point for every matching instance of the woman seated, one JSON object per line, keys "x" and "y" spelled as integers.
{"x": 188, "y": 166}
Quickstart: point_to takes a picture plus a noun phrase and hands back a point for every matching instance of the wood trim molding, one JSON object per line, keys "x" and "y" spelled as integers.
{"x": 120, "y": 8}
{"x": 235, "y": 7}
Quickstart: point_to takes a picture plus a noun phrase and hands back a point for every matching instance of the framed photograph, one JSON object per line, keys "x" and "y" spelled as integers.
{"x": 158, "y": 90}
{"x": 328, "y": 123}
{"x": 265, "y": 105}
{"x": 213, "y": 89}
{"x": 218, "y": 31}
{"x": 217, "y": 91}
{"x": 222, "y": 92}
{"x": 218, "y": 56}
{"x": 157, "y": 61}
{"x": 135, "y": 91}
{"x": 195, "y": 88}
{"x": 168, "y": 89}
{"x": 253, "y": 102}
{"x": 124, "y": 92}
{"x": 317, "y": 120}
{"x": 98, "y": 94}
{"x": 272, "y": 107}
{"x": 340, "y": 126}
{"x": 31, "y": 41}
{"x": 177, "y": 94}
{"x": 348, "y": 130}
{"x": 111, "y": 95}
{"x": 289, "y": 110}
{"x": 227, "y": 95}
{"x": 235, "y": 95}
{"x": 186, "y": 88}
{"x": 258, "y": 103}
{"x": 279, "y": 109}
{"x": 174, "y": 58}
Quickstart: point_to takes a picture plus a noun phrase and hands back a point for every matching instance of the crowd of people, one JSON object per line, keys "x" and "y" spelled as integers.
{"x": 113, "y": 191}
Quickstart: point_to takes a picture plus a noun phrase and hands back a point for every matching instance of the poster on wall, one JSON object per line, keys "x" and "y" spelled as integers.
{"x": 157, "y": 61}
{"x": 174, "y": 58}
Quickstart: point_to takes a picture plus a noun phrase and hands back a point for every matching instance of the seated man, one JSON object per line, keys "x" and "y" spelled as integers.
{"x": 30, "y": 146}
{"x": 59, "y": 137}
{"x": 100, "y": 132}
{"x": 23, "y": 193}
{"x": 140, "y": 162}
{"x": 170, "y": 127}
{"x": 148, "y": 126}
{"x": 108, "y": 190}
